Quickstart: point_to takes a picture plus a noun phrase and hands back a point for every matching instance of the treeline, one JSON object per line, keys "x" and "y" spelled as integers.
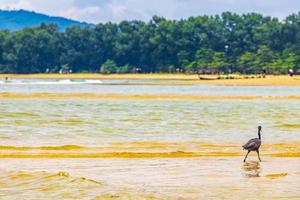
{"x": 225, "y": 43}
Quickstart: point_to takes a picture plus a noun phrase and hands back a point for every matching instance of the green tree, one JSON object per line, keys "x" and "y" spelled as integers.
{"x": 109, "y": 67}
{"x": 203, "y": 58}
{"x": 264, "y": 59}
{"x": 244, "y": 43}
{"x": 219, "y": 62}
{"x": 247, "y": 63}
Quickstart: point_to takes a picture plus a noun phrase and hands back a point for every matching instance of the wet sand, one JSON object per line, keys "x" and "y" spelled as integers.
{"x": 180, "y": 178}
{"x": 173, "y": 79}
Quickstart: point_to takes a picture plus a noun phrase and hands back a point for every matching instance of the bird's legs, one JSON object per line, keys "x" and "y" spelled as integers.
{"x": 258, "y": 155}
{"x": 246, "y": 156}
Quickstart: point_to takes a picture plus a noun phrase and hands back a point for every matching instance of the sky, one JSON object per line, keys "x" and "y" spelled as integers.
{"x": 95, "y": 11}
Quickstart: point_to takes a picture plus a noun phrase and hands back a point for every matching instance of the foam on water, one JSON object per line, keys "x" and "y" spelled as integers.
{"x": 49, "y": 82}
{"x": 138, "y": 87}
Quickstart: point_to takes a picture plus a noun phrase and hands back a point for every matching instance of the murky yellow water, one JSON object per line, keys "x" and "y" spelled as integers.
{"x": 178, "y": 143}
{"x": 147, "y": 150}
{"x": 168, "y": 97}
{"x": 176, "y": 178}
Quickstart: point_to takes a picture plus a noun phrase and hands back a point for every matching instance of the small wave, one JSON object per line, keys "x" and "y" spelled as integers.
{"x": 61, "y": 185}
{"x": 46, "y": 185}
{"x": 289, "y": 126}
{"x": 51, "y": 82}
{"x": 18, "y": 114}
{"x": 49, "y": 148}
{"x": 133, "y": 155}
{"x": 147, "y": 150}
{"x": 94, "y": 81}
{"x": 275, "y": 176}
{"x": 144, "y": 97}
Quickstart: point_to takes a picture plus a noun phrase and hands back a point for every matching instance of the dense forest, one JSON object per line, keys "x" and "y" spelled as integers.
{"x": 226, "y": 43}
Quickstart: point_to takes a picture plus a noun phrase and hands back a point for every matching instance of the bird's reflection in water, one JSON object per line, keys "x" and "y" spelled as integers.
{"x": 251, "y": 169}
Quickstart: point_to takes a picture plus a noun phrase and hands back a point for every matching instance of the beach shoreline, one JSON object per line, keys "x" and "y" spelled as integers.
{"x": 173, "y": 79}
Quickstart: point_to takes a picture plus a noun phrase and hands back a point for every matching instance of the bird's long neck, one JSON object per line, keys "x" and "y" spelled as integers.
{"x": 259, "y": 135}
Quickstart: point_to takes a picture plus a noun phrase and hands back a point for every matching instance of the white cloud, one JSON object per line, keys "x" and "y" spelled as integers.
{"x": 11, "y": 5}
{"x": 84, "y": 14}
{"x": 118, "y": 10}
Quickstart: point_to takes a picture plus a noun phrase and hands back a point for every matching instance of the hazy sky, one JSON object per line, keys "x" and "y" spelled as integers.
{"x": 117, "y": 10}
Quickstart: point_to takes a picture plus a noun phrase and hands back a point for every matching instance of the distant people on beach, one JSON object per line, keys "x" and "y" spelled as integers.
{"x": 6, "y": 79}
{"x": 291, "y": 72}
{"x": 264, "y": 72}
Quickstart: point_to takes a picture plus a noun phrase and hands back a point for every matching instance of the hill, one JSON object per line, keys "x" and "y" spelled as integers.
{"x": 18, "y": 19}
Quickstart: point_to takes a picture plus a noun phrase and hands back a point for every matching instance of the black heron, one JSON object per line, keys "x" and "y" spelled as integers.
{"x": 253, "y": 145}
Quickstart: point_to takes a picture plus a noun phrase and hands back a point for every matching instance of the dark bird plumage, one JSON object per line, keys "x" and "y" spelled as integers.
{"x": 253, "y": 144}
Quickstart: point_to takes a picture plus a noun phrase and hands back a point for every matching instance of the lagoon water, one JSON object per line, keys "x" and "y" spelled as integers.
{"x": 132, "y": 86}
{"x": 146, "y": 149}
{"x": 94, "y": 122}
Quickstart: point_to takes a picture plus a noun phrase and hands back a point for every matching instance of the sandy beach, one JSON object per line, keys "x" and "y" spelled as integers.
{"x": 174, "y": 79}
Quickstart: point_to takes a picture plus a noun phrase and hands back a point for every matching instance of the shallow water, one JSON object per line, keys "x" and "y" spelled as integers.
{"x": 147, "y": 149}
{"x": 120, "y": 86}
{"x": 93, "y": 122}
{"x": 196, "y": 178}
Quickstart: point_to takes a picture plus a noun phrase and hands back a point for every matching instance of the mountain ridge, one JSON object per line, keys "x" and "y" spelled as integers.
{"x": 14, "y": 20}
